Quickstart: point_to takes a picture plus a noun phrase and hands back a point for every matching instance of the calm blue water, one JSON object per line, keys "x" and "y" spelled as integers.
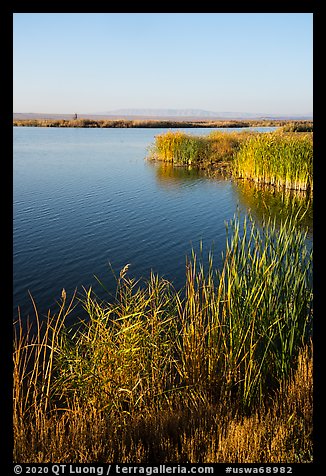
{"x": 86, "y": 198}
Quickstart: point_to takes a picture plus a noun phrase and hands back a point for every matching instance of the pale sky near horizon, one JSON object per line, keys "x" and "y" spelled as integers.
{"x": 221, "y": 62}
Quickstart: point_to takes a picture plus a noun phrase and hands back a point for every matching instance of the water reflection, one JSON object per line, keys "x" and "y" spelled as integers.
{"x": 265, "y": 201}
{"x": 170, "y": 176}
{"x": 262, "y": 200}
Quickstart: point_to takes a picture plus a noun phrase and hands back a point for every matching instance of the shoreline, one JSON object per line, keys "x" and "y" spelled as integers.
{"x": 148, "y": 123}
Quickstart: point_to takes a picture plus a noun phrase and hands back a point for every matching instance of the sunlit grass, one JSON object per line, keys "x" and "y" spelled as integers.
{"x": 156, "y": 373}
{"x": 282, "y": 160}
{"x": 181, "y": 148}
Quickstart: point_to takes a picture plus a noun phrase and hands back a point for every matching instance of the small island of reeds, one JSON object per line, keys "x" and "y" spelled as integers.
{"x": 282, "y": 158}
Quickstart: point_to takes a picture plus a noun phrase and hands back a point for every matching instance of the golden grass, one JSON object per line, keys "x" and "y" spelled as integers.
{"x": 220, "y": 373}
{"x": 208, "y": 151}
{"x": 281, "y": 159}
{"x": 280, "y": 431}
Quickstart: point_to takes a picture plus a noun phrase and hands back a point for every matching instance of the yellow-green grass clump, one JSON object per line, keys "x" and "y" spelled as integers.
{"x": 158, "y": 374}
{"x": 283, "y": 160}
{"x": 180, "y": 148}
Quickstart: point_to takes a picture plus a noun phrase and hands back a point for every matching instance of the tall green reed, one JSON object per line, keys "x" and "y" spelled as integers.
{"x": 179, "y": 148}
{"x": 232, "y": 334}
{"x": 121, "y": 358}
{"x": 266, "y": 304}
{"x": 185, "y": 149}
{"x": 282, "y": 160}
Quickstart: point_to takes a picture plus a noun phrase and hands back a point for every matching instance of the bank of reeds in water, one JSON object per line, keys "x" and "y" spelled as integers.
{"x": 182, "y": 149}
{"x": 282, "y": 160}
{"x": 199, "y": 375}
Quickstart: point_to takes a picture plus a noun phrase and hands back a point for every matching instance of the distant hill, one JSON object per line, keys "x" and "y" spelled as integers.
{"x": 199, "y": 114}
{"x": 175, "y": 113}
{"x": 172, "y": 114}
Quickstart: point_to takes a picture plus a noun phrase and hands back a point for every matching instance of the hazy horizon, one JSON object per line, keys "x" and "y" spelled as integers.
{"x": 253, "y": 63}
{"x": 166, "y": 113}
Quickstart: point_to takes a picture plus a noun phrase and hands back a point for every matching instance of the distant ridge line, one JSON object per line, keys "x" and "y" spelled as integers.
{"x": 116, "y": 116}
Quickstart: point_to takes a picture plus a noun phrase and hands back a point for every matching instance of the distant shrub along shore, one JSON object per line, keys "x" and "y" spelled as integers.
{"x": 105, "y": 123}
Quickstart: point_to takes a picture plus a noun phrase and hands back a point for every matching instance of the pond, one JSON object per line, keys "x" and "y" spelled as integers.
{"x": 86, "y": 203}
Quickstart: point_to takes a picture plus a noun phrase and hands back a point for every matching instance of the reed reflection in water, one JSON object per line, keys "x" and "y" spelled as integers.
{"x": 262, "y": 200}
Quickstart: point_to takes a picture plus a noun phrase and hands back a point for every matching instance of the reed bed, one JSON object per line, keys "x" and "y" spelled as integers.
{"x": 157, "y": 374}
{"x": 282, "y": 160}
{"x": 180, "y": 148}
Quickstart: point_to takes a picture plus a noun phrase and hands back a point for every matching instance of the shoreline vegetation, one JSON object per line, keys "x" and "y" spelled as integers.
{"x": 283, "y": 158}
{"x": 299, "y": 125}
{"x": 220, "y": 371}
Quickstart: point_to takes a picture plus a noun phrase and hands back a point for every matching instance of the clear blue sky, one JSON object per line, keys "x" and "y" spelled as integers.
{"x": 222, "y": 62}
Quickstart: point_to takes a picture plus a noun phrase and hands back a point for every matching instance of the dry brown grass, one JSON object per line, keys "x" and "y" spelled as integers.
{"x": 279, "y": 432}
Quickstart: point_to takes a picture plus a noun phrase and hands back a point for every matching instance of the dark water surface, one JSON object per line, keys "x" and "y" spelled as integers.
{"x": 84, "y": 198}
